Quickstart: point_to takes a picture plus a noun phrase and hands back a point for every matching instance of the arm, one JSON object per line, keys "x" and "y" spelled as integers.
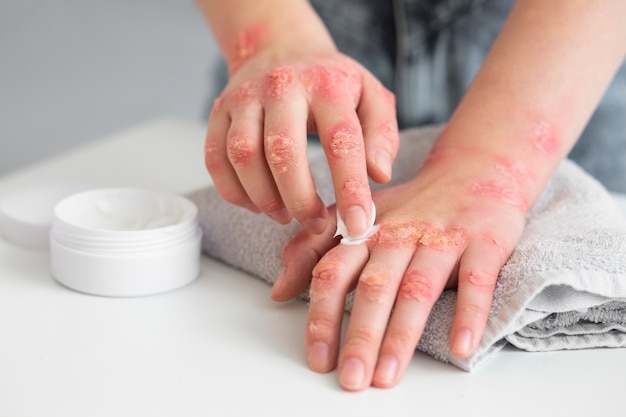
{"x": 456, "y": 223}
{"x": 287, "y": 77}
{"x": 540, "y": 84}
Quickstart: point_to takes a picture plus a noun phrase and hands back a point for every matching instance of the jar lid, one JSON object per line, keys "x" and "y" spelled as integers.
{"x": 26, "y": 215}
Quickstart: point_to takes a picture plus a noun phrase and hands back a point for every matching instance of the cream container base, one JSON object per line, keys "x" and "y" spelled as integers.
{"x": 125, "y": 242}
{"x": 125, "y": 276}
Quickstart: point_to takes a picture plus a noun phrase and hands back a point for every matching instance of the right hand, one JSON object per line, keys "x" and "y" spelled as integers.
{"x": 256, "y": 145}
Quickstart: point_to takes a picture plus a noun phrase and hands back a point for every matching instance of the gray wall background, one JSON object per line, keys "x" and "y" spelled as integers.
{"x": 73, "y": 71}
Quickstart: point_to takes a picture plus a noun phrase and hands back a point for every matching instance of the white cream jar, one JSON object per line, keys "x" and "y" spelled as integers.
{"x": 125, "y": 242}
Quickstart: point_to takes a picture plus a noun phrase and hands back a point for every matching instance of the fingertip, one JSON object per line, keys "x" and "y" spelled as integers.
{"x": 386, "y": 373}
{"x": 461, "y": 343}
{"x": 278, "y": 290}
{"x": 352, "y": 375}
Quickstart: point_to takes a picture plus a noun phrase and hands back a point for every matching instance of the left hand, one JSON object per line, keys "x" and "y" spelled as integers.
{"x": 439, "y": 230}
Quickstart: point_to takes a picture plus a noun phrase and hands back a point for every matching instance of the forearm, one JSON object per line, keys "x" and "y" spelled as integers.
{"x": 244, "y": 27}
{"x": 540, "y": 84}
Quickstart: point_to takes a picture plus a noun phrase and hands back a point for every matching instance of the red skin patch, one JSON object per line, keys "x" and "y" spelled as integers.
{"x": 544, "y": 138}
{"x": 415, "y": 286}
{"x": 344, "y": 141}
{"x": 440, "y": 239}
{"x": 331, "y": 82}
{"x": 240, "y": 151}
{"x": 411, "y": 234}
{"x": 374, "y": 283}
{"x": 245, "y": 45}
{"x": 480, "y": 279}
{"x": 243, "y": 93}
{"x": 325, "y": 277}
{"x": 354, "y": 188}
{"x": 509, "y": 186}
{"x": 280, "y": 152}
{"x": 505, "y": 190}
{"x": 279, "y": 81}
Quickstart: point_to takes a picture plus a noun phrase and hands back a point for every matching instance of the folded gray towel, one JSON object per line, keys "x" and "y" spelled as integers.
{"x": 564, "y": 286}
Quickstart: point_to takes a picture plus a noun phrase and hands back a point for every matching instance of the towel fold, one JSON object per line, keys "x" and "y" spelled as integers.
{"x": 564, "y": 286}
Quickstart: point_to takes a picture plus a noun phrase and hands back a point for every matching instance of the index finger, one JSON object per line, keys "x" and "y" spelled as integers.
{"x": 342, "y": 138}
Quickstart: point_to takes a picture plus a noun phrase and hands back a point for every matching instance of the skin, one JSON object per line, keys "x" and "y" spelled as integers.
{"x": 287, "y": 78}
{"x": 452, "y": 226}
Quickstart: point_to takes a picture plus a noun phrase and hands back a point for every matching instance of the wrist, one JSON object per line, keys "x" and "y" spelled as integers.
{"x": 275, "y": 29}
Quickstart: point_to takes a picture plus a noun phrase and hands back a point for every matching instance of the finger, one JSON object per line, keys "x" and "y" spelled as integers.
{"x": 341, "y": 136}
{"x": 377, "y": 112}
{"x": 421, "y": 286}
{"x": 246, "y": 154}
{"x": 373, "y": 300}
{"x": 216, "y": 159}
{"x": 478, "y": 273}
{"x": 300, "y": 256}
{"x": 286, "y": 113}
{"x": 332, "y": 278}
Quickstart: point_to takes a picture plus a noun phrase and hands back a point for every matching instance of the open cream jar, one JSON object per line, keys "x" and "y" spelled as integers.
{"x": 125, "y": 242}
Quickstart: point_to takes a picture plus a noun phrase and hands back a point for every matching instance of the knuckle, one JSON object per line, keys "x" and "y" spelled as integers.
{"x": 240, "y": 148}
{"x": 389, "y": 97}
{"x": 391, "y": 136}
{"x": 474, "y": 311}
{"x": 399, "y": 339}
{"x": 213, "y": 158}
{"x": 495, "y": 244}
{"x": 374, "y": 284}
{"x": 479, "y": 278}
{"x": 305, "y": 209}
{"x": 320, "y": 329}
{"x": 326, "y": 278}
{"x": 271, "y": 205}
{"x": 244, "y": 92}
{"x": 279, "y": 80}
{"x": 416, "y": 286}
{"x": 332, "y": 82}
{"x": 355, "y": 189}
{"x": 305, "y": 204}
{"x": 360, "y": 339}
{"x": 281, "y": 152}
{"x": 344, "y": 141}
{"x": 218, "y": 104}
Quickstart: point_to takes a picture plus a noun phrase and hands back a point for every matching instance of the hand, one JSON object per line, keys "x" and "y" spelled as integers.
{"x": 256, "y": 141}
{"x": 452, "y": 226}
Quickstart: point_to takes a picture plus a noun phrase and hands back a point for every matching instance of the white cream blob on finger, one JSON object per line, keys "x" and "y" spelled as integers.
{"x": 342, "y": 230}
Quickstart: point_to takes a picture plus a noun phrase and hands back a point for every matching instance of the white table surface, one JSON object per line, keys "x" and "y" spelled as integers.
{"x": 220, "y": 346}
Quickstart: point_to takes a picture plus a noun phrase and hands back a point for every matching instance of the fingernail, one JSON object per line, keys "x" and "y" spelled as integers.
{"x": 352, "y": 374}
{"x": 282, "y": 216}
{"x": 383, "y": 161}
{"x": 317, "y": 225}
{"x": 386, "y": 370}
{"x": 356, "y": 221}
{"x": 319, "y": 355}
{"x": 462, "y": 342}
